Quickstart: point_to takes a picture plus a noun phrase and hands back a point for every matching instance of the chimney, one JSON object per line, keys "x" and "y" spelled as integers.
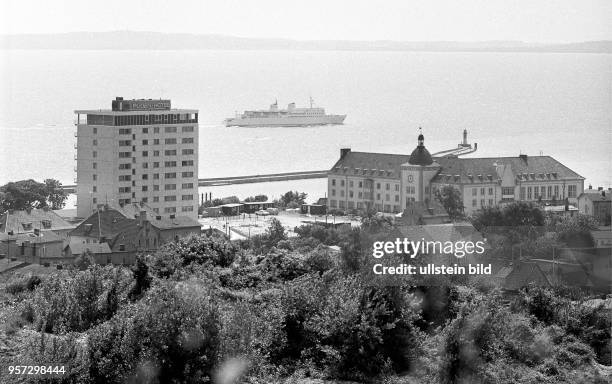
{"x": 344, "y": 151}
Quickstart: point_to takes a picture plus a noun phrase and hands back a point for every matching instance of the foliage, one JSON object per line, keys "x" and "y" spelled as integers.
{"x": 575, "y": 231}
{"x": 26, "y": 194}
{"x": 451, "y": 200}
{"x": 220, "y": 201}
{"x": 292, "y": 199}
{"x": 27, "y": 283}
{"x": 256, "y": 198}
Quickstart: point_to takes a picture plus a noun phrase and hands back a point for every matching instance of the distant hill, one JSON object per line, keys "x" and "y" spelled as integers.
{"x": 178, "y": 41}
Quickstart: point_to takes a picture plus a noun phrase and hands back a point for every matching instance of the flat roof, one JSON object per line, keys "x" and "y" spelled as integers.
{"x": 109, "y": 112}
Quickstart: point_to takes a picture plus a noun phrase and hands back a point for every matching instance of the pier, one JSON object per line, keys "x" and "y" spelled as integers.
{"x": 229, "y": 180}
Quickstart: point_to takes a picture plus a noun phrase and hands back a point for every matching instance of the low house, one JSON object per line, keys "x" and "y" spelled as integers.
{"x": 254, "y": 206}
{"x": 101, "y": 253}
{"x": 313, "y": 209}
{"x": 233, "y": 209}
{"x": 32, "y": 247}
{"x": 125, "y": 231}
{"x": 28, "y": 220}
{"x": 596, "y": 204}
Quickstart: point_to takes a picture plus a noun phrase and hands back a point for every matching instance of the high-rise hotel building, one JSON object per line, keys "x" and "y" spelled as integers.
{"x": 138, "y": 151}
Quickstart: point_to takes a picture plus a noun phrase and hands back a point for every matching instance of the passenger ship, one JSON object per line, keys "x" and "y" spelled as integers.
{"x": 290, "y": 117}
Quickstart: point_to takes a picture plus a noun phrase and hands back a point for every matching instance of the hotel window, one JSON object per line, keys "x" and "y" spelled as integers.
{"x": 522, "y": 196}
{"x": 490, "y": 190}
{"x": 169, "y": 163}
{"x": 187, "y": 197}
{"x": 377, "y": 185}
{"x": 482, "y": 202}
{"x": 507, "y": 190}
{"x": 124, "y": 166}
{"x": 350, "y": 183}
{"x": 360, "y": 195}
{"x": 95, "y": 166}
{"x": 474, "y": 191}
{"x": 388, "y": 186}
{"x": 123, "y": 155}
{"x": 156, "y": 199}
{"x": 155, "y": 141}
{"x": 95, "y": 154}
{"x": 155, "y": 153}
{"x": 156, "y": 164}
{"x": 94, "y": 177}
{"x": 95, "y": 189}
{"x": 482, "y": 191}
{"x": 528, "y": 193}
{"x": 156, "y": 176}
{"x": 156, "y": 187}
{"x": 95, "y": 142}
{"x": 124, "y": 189}
{"x": 95, "y": 200}
{"x": 187, "y": 186}
{"x": 170, "y": 175}
{"x": 145, "y": 165}
{"x": 387, "y": 197}
{"x": 186, "y": 140}
{"x": 536, "y": 192}
{"x": 125, "y": 177}
{"x": 396, "y": 198}
{"x": 125, "y": 131}
{"x": 170, "y": 129}
{"x": 145, "y": 130}
{"x": 543, "y": 192}
{"x": 169, "y": 198}
{"x": 170, "y": 210}
{"x": 333, "y": 181}
{"x": 351, "y": 194}
{"x": 341, "y": 204}
{"x": 170, "y": 141}
{"x": 187, "y": 152}
{"x": 333, "y": 192}
{"x": 186, "y": 163}
{"x": 550, "y": 191}
{"x": 95, "y": 130}
{"x": 156, "y": 129}
{"x": 125, "y": 143}
{"x": 170, "y": 187}
{"x": 342, "y": 183}
{"x": 170, "y": 152}
{"x": 187, "y": 174}
{"x": 473, "y": 202}
{"x": 397, "y": 187}
{"x": 571, "y": 191}
{"x": 186, "y": 129}
{"x": 145, "y": 188}
{"x": 361, "y": 184}
{"x": 145, "y": 153}
{"x": 378, "y": 196}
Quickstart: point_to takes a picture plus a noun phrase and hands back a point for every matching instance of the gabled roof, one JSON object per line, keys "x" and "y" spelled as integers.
{"x": 595, "y": 196}
{"x": 43, "y": 219}
{"x": 132, "y": 211}
{"x": 104, "y": 223}
{"x": 95, "y": 248}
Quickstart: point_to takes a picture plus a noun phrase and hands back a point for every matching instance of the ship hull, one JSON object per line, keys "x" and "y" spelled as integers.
{"x": 285, "y": 121}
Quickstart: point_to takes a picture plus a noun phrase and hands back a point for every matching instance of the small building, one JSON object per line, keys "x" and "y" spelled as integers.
{"x": 597, "y": 204}
{"x": 313, "y": 209}
{"x": 602, "y": 237}
{"x": 254, "y": 206}
{"x": 561, "y": 210}
{"x": 31, "y": 247}
{"x": 233, "y": 209}
{"x": 100, "y": 252}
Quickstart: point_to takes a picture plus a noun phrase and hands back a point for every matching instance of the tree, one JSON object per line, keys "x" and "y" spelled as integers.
{"x": 26, "y": 194}
{"x": 292, "y": 199}
{"x": 256, "y": 198}
{"x": 275, "y": 232}
{"x": 451, "y": 199}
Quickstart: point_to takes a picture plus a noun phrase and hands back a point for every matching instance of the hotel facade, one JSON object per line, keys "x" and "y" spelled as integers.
{"x": 138, "y": 151}
{"x": 390, "y": 182}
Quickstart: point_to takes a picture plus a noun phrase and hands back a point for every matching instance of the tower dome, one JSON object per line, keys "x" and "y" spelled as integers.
{"x": 420, "y": 155}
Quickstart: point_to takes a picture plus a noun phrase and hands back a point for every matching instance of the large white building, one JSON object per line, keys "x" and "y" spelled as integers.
{"x": 138, "y": 151}
{"x": 390, "y": 182}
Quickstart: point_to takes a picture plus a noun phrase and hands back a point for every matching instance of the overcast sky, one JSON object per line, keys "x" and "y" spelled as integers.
{"x": 426, "y": 20}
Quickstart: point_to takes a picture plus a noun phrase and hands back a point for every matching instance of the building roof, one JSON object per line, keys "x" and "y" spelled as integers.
{"x": 95, "y": 248}
{"x": 43, "y": 238}
{"x": 521, "y": 275}
{"x": 420, "y": 155}
{"x": 595, "y": 197}
{"x": 455, "y": 169}
{"x": 43, "y": 219}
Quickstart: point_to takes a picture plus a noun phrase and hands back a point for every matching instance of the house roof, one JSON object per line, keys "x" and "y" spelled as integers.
{"x": 44, "y": 237}
{"x": 95, "y": 248}
{"x": 521, "y": 275}
{"x": 595, "y": 196}
{"x": 44, "y": 219}
{"x": 133, "y": 210}
{"x": 385, "y": 165}
{"x": 104, "y": 223}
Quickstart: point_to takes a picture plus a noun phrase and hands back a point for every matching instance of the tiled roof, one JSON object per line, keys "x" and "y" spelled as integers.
{"x": 110, "y": 223}
{"x": 132, "y": 211}
{"x": 595, "y": 196}
{"x": 521, "y": 275}
{"x": 529, "y": 167}
{"x": 44, "y": 237}
{"x": 95, "y": 248}
{"x": 370, "y": 165}
{"x": 43, "y": 219}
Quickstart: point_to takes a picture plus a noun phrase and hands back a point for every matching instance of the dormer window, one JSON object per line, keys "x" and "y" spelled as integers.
{"x": 27, "y": 226}
{"x": 46, "y": 224}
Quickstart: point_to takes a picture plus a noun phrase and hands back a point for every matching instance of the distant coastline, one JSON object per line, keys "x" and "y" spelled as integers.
{"x": 131, "y": 40}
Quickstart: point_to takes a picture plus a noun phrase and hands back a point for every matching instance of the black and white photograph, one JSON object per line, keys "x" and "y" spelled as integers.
{"x": 306, "y": 192}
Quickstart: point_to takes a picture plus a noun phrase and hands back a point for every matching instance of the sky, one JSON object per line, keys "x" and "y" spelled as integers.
{"x": 537, "y": 21}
